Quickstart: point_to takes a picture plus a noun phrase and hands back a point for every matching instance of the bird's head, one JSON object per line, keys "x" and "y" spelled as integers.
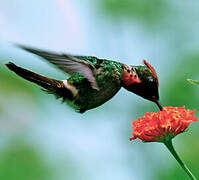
{"x": 143, "y": 81}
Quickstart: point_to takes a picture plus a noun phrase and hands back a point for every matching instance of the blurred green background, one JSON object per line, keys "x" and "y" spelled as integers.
{"x": 40, "y": 138}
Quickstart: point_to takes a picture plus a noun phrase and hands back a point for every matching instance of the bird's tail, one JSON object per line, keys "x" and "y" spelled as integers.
{"x": 52, "y": 86}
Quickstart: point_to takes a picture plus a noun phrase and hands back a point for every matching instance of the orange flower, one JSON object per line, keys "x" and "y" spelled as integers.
{"x": 164, "y": 125}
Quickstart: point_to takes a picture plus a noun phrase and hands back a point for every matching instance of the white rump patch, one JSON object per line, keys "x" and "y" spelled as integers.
{"x": 70, "y": 87}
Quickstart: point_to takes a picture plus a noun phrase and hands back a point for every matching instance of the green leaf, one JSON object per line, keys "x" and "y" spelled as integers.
{"x": 196, "y": 82}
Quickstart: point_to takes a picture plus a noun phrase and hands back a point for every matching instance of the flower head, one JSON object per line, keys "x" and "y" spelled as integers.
{"x": 164, "y": 125}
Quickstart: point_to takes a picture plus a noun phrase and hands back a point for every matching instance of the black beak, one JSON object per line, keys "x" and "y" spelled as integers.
{"x": 158, "y": 104}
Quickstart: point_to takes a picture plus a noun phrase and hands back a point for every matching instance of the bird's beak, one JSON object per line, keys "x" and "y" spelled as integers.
{"x": 158, "y": 104}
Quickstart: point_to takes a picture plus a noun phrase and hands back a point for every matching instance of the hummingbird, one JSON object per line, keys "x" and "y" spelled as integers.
{"x": 93, "y": 81}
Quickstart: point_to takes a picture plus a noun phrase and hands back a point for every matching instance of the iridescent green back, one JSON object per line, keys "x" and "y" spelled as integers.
{"x": 108, "y": 77}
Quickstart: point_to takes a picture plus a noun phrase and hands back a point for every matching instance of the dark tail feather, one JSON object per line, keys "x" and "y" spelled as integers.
{"x": 33, "y": 77}
{"x": 50, "y": 85}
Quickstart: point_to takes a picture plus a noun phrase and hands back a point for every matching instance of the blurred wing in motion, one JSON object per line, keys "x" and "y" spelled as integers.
{"x": 68, "y": 64}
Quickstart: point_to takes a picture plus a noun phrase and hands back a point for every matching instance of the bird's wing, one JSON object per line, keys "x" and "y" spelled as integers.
{"x": 67, "y": 63}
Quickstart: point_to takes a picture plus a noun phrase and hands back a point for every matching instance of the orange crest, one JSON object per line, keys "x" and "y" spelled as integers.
{"x": 152, "y": 69}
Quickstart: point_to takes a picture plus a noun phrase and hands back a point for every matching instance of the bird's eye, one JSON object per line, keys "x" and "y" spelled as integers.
{"x": 135, "y": 76}
{"x": 150, "y": 80}
{"x": 131, "y": 75}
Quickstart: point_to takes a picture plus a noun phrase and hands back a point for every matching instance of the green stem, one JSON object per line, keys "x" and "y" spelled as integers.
{"x": 170, "y": 147}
